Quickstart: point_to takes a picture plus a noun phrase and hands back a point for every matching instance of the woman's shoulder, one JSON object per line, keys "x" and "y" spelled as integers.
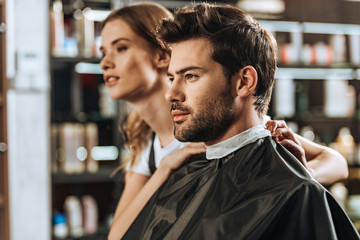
{"x": 142, "y": 164}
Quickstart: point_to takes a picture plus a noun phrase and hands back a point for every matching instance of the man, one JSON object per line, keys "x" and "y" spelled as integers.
{"x": 247, "y": 187}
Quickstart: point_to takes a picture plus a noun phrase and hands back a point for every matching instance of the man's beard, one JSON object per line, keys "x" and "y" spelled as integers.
{"x": 211, "y": 122}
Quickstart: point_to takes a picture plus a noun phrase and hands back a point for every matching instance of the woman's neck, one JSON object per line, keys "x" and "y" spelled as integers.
{"x": 155, "y": 111}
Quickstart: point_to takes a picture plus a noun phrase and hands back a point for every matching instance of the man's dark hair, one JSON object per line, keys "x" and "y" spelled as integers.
{"x": 237, "y": 40}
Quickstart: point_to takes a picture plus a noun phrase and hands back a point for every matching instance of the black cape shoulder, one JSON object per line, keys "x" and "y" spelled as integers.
{"x": 259, "y": 192}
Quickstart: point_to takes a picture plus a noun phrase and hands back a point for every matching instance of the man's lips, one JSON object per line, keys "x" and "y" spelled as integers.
{"x": 179, "y": 116}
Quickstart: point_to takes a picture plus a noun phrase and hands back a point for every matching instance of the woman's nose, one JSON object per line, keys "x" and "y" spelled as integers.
{"x": 106, "y": 62}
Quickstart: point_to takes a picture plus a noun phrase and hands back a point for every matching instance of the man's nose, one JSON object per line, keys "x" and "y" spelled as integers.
{"x": 176, "y": 92}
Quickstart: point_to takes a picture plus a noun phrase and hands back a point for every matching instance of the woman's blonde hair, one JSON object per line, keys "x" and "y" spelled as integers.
{"x": 144, "y": 19}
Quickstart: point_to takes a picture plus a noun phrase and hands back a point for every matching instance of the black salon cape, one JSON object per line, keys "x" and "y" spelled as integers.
{"x": 259, "y": 192}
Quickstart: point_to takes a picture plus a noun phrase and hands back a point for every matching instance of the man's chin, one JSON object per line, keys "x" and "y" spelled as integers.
{"x": 179, "y": 136}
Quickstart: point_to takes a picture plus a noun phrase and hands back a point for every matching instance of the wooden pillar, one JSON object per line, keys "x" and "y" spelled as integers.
{"x": 4, "y": 192}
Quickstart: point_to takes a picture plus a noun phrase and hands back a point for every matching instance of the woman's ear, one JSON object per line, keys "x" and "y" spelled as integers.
{"x": 162, "y": 59}
{"x": 246, "y": 81}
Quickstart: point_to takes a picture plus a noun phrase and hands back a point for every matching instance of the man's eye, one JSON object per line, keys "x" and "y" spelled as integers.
{"x": 190, "y": 76}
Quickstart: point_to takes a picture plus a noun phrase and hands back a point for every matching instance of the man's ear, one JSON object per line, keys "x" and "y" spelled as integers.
{"x": 246, "y": 81}
{"x": 162, "y": 59}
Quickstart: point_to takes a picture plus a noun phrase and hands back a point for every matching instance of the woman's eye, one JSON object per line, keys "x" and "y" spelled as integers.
{"x": 120, "y": 49}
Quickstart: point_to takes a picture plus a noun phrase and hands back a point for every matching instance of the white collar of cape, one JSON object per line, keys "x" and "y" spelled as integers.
{"x": 230, "y": 145}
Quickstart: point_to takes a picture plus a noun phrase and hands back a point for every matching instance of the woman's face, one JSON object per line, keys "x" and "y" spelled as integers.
{"x": 128, "y": 63}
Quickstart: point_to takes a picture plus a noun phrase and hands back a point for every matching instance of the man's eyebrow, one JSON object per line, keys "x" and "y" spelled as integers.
{"x": 116, "y": 41}
{"x": 181, "y": 71}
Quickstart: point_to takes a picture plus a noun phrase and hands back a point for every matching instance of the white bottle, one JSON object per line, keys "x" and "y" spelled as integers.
{"x": 338, "y": 46}
{"x": 60, "y": 229}
{"x": 339, "y": 98}
{"x": 73, "y": 211}
{"x": 284, "y": 97}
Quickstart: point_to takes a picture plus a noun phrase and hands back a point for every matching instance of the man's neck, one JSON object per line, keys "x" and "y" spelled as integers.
{"x": 240, "y": 125}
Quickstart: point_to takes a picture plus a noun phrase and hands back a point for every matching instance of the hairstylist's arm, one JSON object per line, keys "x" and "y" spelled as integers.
{"x": 168, "y": 164}
{"x": 324, "y": 164}
{"x": 134, "y": 182}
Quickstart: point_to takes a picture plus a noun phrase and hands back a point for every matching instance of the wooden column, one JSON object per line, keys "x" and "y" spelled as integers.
{"x": 4, "y": 196}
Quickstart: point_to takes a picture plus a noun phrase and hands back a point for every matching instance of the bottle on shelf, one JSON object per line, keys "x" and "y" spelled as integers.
{"x": 74, "y": 215}
{"x": 355, "y": 49}
{"x": 73, "y": 152}
{"x": 92, "y": 140}
{"x": 338, "y": 47}
{"x": 90, "y": 214}
{"x": 85, "y": 33}
{"x": 340, "y": 98}
{"x": 57, "y": 28}
{"x": 284, "y": 97}
{"x": 60, "y": 229}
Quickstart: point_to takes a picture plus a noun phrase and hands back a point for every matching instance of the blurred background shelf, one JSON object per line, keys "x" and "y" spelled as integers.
{"x": 101, "y": 234}
{"x": 103, "y": 175}
{"x": 317, "y": 73}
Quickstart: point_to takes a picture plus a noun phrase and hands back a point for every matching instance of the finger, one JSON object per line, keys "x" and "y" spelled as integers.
{"x": 195, "y": 151}
{"x": 197, "y": 144}
{"x": 196, "y": 147}
{"x": 271, "y": 125}
{"x": 280, "y": 123}
{"x": 192, "y": 148}
{"x": 286, "y": 133}
{"x": 178, "y": 158}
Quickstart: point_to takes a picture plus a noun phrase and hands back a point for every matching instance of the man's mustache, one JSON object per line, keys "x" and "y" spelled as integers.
{"x": 177, "y": 106}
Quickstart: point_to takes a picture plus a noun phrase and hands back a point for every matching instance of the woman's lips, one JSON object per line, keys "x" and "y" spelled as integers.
{"x": 111, "y": 80}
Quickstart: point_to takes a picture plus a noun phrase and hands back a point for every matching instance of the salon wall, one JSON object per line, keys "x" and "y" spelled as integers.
{"x": 28, "y": 119}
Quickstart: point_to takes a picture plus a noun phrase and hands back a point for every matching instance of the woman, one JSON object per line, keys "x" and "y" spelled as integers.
{"x": 135, "y": 69}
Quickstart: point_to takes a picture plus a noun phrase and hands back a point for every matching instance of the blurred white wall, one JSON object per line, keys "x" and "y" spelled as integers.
{"x": 28, "y": 119}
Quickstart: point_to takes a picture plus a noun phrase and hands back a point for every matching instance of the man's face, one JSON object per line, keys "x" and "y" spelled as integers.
{"x": 202, "y": 103}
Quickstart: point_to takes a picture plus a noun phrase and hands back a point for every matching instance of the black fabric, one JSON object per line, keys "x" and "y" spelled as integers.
{"x": 152, "y": 165}
{"x": 259, "y": 192}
